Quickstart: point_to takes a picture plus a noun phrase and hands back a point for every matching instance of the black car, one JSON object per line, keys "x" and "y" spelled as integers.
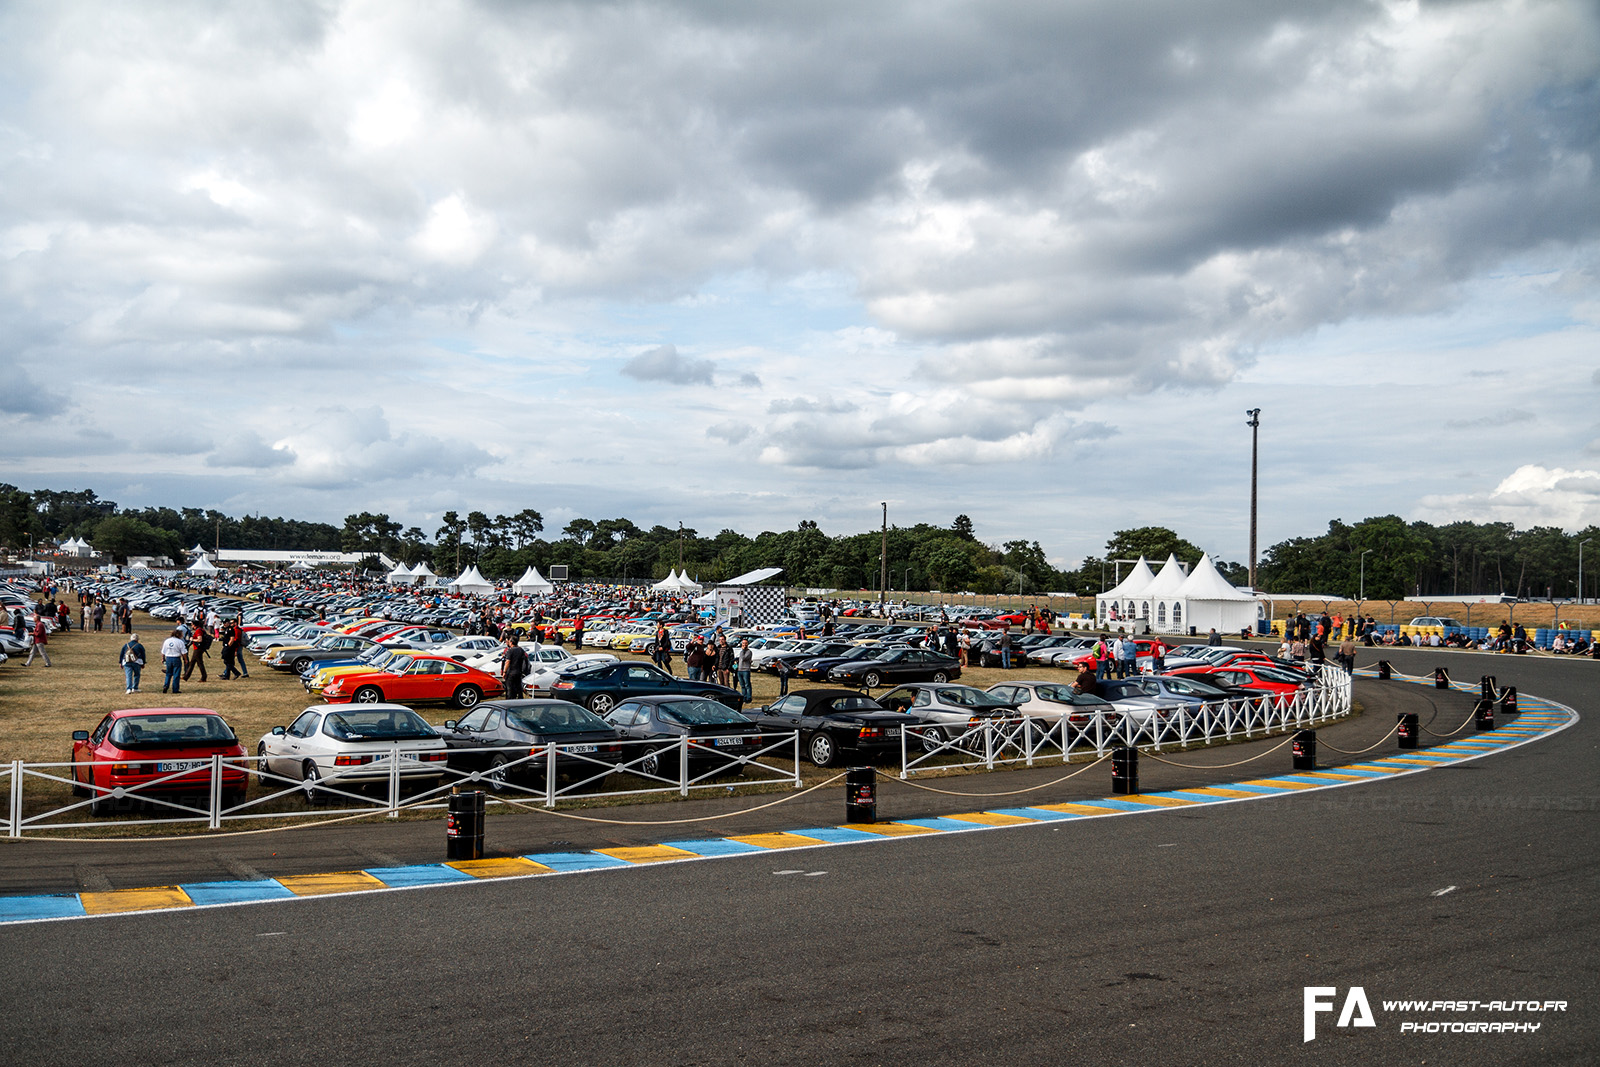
{"x": 834, "y": 723}
{"x": 718, "y": 736}
{"x": 898, "y": 665}
{"x": 817, "y": 668}
{"x": 809, "y": 650}
{"x": 505, "y": 740}
{"x": 602, "y": 686}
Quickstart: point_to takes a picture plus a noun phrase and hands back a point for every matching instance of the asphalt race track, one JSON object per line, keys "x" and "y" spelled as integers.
{"x": 1184, "y": 936}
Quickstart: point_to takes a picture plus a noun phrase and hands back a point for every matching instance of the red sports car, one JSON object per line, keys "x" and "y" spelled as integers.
{"x": 156, "y": 753}
{"x": 415, "y": 680}
{"x": 1243, "y": 674}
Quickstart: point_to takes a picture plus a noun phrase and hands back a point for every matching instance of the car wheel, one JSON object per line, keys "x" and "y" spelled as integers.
{"x": 872, "y": 679}
{"x": 932, "y": 738}
{"x": 300, "y": 664}
{"x": 467, "y": 696}
{"x": 100, "y": 806}
{"x": 940, "y": 676}
{"x": 368, "y": 694}
{"x": 78, "y": 788}
{"x": 821, "y": 750}
{"x": 310, "y": 779}
{"x": 650, "y": 763}
{"x": 602, "y": 703}
{"x": 497, "y": 777}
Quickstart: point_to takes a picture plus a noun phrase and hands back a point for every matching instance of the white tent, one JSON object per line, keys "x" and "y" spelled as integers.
{"x": 422, "y": 574}
{"x": 1208, "y": 601}
{"x": 197, "y": 550}
{"x": 401, "y": 575}
{"x": 669, "y": 584}
{"x": 201, "y": 565}
{"x": 532, "y": 582}
{"x": 299, "y": 565}
{"x": 1121, "y": 599}
{"x": 470, "y": 581}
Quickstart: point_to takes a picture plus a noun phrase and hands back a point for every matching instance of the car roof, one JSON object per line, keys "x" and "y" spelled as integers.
{"x": 125, "y": 712}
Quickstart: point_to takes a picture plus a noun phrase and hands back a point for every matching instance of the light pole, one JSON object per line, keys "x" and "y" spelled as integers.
{"x": 908, "y": 580}
{"x": 883, "y": 562}
{"x": 1363, "y": 595}
{"x": 1585, "y": 541}
{"x": 1255, "y": 434}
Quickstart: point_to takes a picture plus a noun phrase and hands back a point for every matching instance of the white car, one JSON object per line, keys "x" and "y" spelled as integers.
{"x": 462, "y": 647}
{"x": 340, "y": 747}
{"x": 546, "y": 662}
{"x": 1049, "y": 702}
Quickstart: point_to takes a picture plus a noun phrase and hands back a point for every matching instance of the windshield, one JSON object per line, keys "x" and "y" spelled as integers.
{"x": 556, "y": 719}
{"x": 699, "y": 713}
{"x": 170, "y": 730}
{"x": 390, "y": 724}
{"x": 1062, "y": 694}
{"x": 853, "y": 704}
{"x": 966, "y": 697}
{"x": 1193, "y": 689}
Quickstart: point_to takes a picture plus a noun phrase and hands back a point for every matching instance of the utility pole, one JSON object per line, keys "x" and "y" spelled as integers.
{"x": 883, "y": 562}
{"x": 680, "y": 546}
{"x": 1255, "y": 434}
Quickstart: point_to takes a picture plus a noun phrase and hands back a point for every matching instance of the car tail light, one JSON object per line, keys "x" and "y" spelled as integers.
{"x": 125, "y": 768}
{"x": 974, "y": 721}
{"x": 351, "y": 761}
{"x": 871, "y": 733}
{"x": 432, "y": 757}
{"x": 562, "y": 685}
{"x": 536, "y": 750}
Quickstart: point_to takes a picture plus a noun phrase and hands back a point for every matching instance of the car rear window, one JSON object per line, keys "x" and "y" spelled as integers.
{"x": 395, "y": 724}
{"x": 135, "y": 730}
{"x": 554, "y": 719}
{"x": 700, "y": 713}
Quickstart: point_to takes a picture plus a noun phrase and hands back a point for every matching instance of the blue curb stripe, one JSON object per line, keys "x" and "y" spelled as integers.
{"x": 716, "y": 847}
{"x": 1265, "y": 790}
{"x": 1111, "y": 804}
{"x": 1196, "y": 798}
{"x": 419, "y": 874}
{"x": 576, "y": 861}
{"x": 1038, "y": 813}
{"x": 838, "y": 835}
{"x": 53, "y": 906}
{"x": 235, "y": 892}
{"x": 940, "y": 823}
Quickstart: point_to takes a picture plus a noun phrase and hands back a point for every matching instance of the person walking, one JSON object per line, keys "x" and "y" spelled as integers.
{"x": 199, "y": 645}
{"x": 1130, "y": 656}
{"x": 724, "y": 662}
{"x": 41, "y": 638}
{"x": 98, "y": 613}
{"x": 172, "y": 653}
{"x": 513, "y": 665}
{"x": 231, "y": 648}
{"x": 19, "y": 626}
{"x": 1005, "y": 649}
{"x": 132, "y": 659}
{"x": 744, "y": 661}
{"x": 785, "y": 668}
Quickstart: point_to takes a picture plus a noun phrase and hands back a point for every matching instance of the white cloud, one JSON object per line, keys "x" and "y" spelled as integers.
{"x": 1531, "y": 495}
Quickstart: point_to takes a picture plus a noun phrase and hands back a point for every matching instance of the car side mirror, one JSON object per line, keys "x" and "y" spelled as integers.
{"x": 278, "y": 731}
{"x": 80, "y": 735}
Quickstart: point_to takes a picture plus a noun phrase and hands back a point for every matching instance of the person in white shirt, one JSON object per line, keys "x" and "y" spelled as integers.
{"x": 172, "y": 651}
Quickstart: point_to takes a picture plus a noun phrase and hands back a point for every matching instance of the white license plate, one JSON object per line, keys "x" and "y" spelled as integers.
{"x": 895, "y": 732}
{"x": 583, "y": 748}
{"x": 730, "y": 742}
{"x": 172, "y": 766}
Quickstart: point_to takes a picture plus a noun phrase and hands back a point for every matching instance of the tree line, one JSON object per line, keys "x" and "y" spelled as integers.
{"x": 1385, "y": 556}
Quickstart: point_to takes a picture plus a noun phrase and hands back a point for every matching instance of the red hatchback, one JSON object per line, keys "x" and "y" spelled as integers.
{"x": 156, "y": 753}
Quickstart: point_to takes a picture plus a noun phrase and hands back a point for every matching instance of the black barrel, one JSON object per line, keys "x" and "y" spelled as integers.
{"x": 1305, "y": 750}
{"x": 1124, "y": 769}
{"x": 1441, "y": 678}
{"x": 463, "y": 826}
{"x": 1483, "y": 715}
{"x": 1508, "y": 701}
{"x": 861, "y": 794}
{"x": 1410, "y": 727}
{"x": 1487, "y": 686}
{"x": 1385, "y": 670}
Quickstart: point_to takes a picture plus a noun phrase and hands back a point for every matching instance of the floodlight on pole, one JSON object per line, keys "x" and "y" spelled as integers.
{"x": 1363, "y": 595}
{"x": 1255, "y": 436}
{"x": 883, "y": 562}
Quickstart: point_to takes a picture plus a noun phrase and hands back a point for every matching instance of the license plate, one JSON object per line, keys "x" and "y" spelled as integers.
{"x": 583, "y": 748}
{"x": 895, "y": 732}
{"x": 182, "y": 765}
{"x": 729, "y": 742}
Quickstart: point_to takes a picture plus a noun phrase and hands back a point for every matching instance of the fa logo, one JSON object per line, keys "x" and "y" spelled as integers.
{"x": 1320, "y": 998}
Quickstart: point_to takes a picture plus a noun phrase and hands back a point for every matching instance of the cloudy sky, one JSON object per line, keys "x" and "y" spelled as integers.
{"x": 739, "y": 264}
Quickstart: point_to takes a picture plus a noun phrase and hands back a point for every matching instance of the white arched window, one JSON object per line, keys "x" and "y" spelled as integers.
{"x": 1177, "y": 616}
{"x": 1161, "y": 614}
{"x": 1144, "y": 610}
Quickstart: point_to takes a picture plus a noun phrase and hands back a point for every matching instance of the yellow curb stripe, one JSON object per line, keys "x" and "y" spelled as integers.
{"x": 646, "y": 853}
{"x": 776, "y": 840}
{"x": 1076, "y": 809}
{"x": 1275, "y": 783}
{"x": 1332, "y": 775}
{"x": 498, "y": 867}
{"x": 1217, "y": 791}
{"x": 316, "y": 885}
{"x": 891, "y": 829}
{"x": 989, "y": 818}
{"x": 1160, "y": 802}
{"x": 1392, "y": 760}
{"x": 120, "y": 900}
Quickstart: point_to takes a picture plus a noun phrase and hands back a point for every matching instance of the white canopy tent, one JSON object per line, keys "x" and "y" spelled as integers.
{"x": 201, "y": 565}
{"x": 1119, "y": 602}
{"x": 669, "y": 584}
{"x": 401, "y": 575}
{"x": 422, "y": 574}
{"x": 1210, "y": 601}
{"x": 533, "y": 582}
{"x": 470, "y": 581}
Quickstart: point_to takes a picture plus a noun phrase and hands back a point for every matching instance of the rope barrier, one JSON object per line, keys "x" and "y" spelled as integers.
{"x": 667, "y": 822}
{"x": 1220, "y": 766}
{"x": 1008, "y": 793}
{"x": 1363, "y": 751}
{"x": 1457, "y": 730}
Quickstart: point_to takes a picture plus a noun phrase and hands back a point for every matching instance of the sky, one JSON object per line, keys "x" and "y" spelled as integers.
{"x": 739, "y": 264}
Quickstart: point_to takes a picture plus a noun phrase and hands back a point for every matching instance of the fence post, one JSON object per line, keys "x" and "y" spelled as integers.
{"x": 988, "y": 743}
{"x": 15, "y": 828}
{"x": 683, "y": 766}
{"x": 550, "y": 776}
{"x": 1027, "y": 738}
{"x": 215, "y": 822}
{"x": 394, "y": 781}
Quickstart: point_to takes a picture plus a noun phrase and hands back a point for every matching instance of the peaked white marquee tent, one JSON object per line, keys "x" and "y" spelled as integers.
{"x": 533, "y": 582}
{"x": 401, "y": 575}
{"x": 1172, "y": 602}
{"x": 471, "y": 581}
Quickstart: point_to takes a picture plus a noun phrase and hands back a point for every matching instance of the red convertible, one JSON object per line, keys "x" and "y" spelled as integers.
{"x": 415, "y": 680}
{"x": 156, "y": 753}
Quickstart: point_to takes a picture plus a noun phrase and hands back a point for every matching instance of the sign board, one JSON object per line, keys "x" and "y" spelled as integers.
{"x": 558, "y": 572}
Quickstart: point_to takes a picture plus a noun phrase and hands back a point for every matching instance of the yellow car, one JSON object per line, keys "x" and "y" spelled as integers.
{"x": 318, "y": 679}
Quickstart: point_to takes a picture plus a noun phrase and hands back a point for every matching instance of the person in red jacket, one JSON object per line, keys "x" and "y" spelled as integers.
{"x": 41, "y": 638}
